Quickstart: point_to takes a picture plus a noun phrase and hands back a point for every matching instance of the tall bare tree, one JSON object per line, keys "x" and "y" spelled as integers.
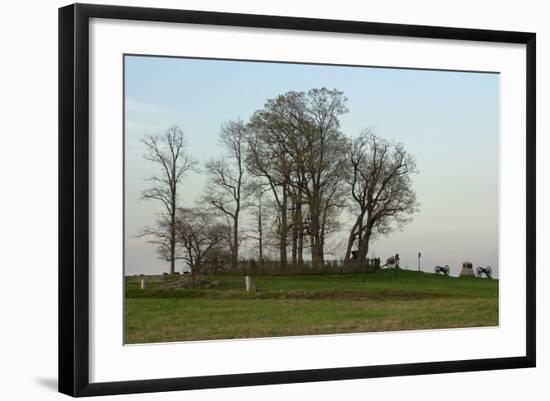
{"x": 168, "y": 152}
{"x": 267, "y": 161}
{"x": 380, "y": 178}
{"x": 297, "y": 145}
{"x": 226, "y": 180}
{"x": 260, "y": 213}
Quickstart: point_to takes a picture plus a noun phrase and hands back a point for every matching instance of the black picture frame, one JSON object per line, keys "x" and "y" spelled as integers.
{"x": 74, "y": 198}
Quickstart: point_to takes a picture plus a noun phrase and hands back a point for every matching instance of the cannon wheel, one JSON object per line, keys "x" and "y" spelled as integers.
{"x": 489, "y": 272}
{"x": 479, "y": 271}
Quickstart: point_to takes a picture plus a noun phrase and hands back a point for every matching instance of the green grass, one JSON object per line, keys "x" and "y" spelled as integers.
{"x": 305, "y": 305}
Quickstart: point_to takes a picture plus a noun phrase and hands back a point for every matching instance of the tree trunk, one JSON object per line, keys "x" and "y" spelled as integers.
{"x": 316, "y": 243}
{"x": 294, "y": 233}
{"x": 354, "y": 233}
{"x": 364, "y": 244}
{"x": 363, "y": 249}
{"x": 300, "y": 230}
{"x": 172, "y": 254}
{"x": 173, "y": 233}
{"x": 315, "y": 227}
{"x": 192, "y": 267}
{"x": 283, "y": 231}
{"x": 316, "y": 250}
{"x": 351, "y": 241}
{"x": 235, "y": 249}
{"x": 260, "y": 236}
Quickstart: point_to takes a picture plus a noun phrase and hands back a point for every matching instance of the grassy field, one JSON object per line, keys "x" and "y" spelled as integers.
{"x": 305, "y": 305}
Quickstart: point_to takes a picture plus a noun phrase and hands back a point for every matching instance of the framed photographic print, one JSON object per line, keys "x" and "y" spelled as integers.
{"x": 250, "y": 199}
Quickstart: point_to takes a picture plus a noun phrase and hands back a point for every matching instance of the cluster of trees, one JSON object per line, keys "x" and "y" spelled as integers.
{"x": 294, "y": 172}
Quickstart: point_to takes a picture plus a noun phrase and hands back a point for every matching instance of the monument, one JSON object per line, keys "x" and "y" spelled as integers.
{"x": 467, "y": 270}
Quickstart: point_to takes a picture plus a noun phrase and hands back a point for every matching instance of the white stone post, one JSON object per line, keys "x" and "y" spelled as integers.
{"x": 248, "y": 283}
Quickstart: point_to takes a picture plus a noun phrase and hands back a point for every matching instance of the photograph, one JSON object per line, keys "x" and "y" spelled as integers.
{"x": 267, "y": 199}
{"x": 275, "y": 201}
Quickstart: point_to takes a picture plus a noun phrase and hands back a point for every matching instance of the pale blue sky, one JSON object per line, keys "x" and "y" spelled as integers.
{"x": 447, "y": 120}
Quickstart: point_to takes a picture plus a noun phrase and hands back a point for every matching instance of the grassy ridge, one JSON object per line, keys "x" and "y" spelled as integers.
{"x": 301, "y": 305}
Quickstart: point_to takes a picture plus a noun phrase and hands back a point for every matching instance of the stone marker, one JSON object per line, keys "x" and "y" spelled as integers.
{"x": 143, "y": 284}
{"x": 467, "y": 270}
{"x": 248, "y": 283}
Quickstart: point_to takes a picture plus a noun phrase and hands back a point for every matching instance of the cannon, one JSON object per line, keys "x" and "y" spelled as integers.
{"x": 442, "y": 269}
{"x": 480, "y": 271}
{"x": 392, "y": 262}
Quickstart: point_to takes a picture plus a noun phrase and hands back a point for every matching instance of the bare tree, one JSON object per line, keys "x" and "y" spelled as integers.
{"x": 226, "y": 180}
{"x": 297, "y": 146}
{"x": 325, "y": 162}
{"x": 261, "y": 213}
{"x": 167, "y": 151}
{"x": 381, "y": 188}
{"x": 268, "y": 162}
{"x": 198, "y": 233}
